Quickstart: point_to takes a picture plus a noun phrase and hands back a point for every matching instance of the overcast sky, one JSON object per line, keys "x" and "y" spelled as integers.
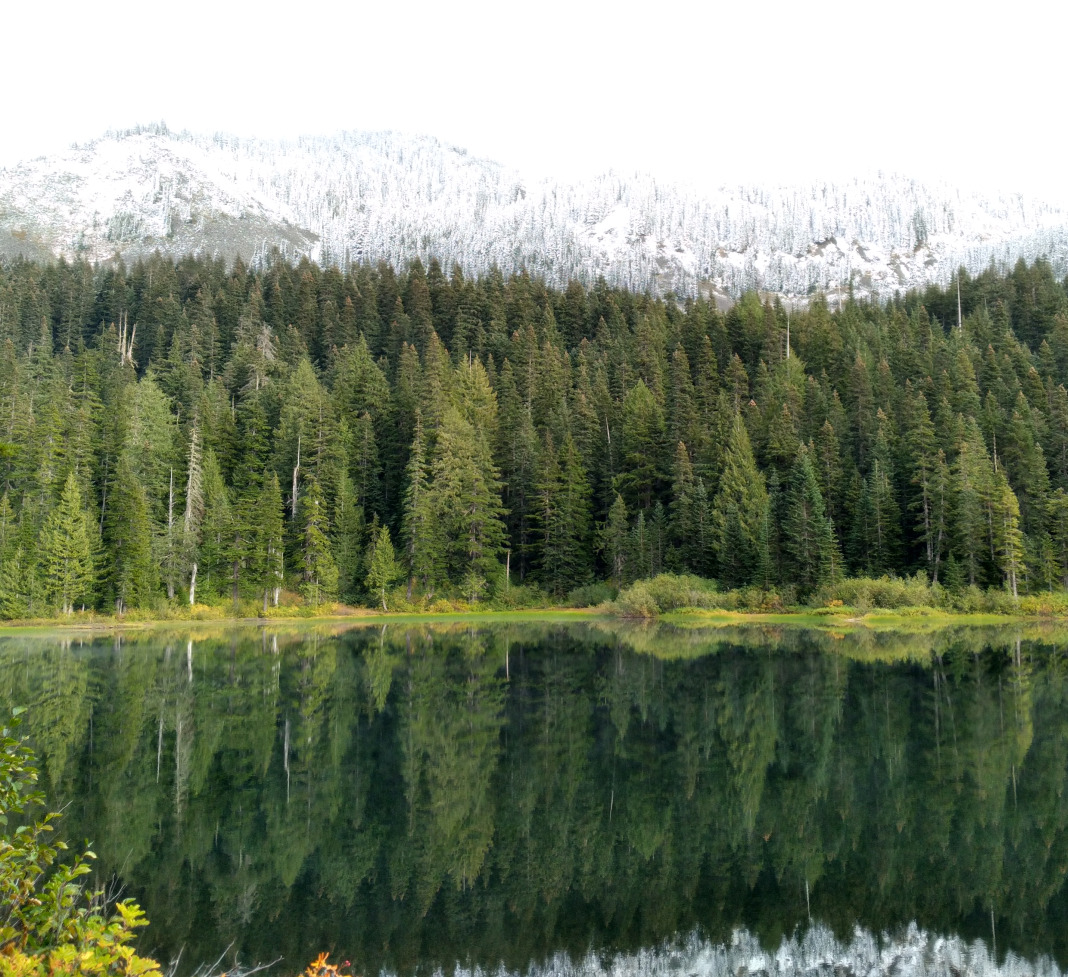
{"x": 698, "y": 90}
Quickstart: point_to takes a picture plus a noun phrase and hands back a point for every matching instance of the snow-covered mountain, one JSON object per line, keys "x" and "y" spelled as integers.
{"x": 370, "y": 196}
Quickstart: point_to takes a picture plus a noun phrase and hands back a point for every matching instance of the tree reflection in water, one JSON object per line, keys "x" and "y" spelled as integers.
{"x": 411, "y": 798}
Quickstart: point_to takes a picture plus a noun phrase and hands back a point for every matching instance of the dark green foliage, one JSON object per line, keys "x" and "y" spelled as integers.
{"x": 488, "y": 421}
{"x": 315, "y": 559}
{"x": 808, "y": 538}
{"x": 134, "y": 580}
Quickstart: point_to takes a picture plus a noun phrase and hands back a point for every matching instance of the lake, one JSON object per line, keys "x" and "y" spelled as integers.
{"x": 587, "y": 798}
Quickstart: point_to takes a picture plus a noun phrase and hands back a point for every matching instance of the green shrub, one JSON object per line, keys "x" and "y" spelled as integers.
{"x": 52, "y": 924}
{"x": 755, "y": 599}
{"x": 1045, "y": 603}
{"x": 889, "y": 593}
{"x": 666, "y": 592}
{"x": 591, "y": 595}
{"x": 637, "y": 601}
{"x": 519, "y": 597}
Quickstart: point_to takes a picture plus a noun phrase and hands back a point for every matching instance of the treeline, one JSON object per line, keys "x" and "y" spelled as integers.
{"x": 194, "y": 431}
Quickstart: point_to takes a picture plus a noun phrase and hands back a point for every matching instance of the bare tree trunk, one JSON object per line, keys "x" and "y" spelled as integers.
{"x": 296, "y": 469}
{"x": 285, "y": 758}
{"x": 170, "y": 540}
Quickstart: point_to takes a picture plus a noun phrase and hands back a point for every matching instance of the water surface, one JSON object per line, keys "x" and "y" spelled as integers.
{"x": 413, "y": 798}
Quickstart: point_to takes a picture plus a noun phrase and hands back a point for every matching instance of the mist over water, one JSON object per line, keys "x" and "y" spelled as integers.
{"x": 588, "y": 799}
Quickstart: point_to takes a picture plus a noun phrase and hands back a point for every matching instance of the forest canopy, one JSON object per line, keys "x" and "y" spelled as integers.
{"x": 194, "y": 431}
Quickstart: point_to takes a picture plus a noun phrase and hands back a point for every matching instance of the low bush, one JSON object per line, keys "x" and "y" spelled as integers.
{"x": 974, "y": 600}
{"x": 520, "y": 597}
{"x": 888, "y": 593}
{"x": 1045, "y": 603}
{"x": 753, "y": 600}
{"x": 51, "y": 923}
{"x": 637, "y": 601}
{"x": 592, "y": 595}
{"x": 666, "y": 592}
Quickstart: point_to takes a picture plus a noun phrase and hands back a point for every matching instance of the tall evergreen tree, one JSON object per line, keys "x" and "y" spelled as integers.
{"x": 561, "y": 517}
{"x": 739, "y": 509}
{"x": 66, "y": 551}
{"x": 266, "y": 567}
{"x": 808, "y": 538}
{"x": 465, "y": 492}
{"x": 134, "y": 578}
{"x": 613, "y": 540}
{"x": 315, "y": 559}
{"x": 382, "y": 567}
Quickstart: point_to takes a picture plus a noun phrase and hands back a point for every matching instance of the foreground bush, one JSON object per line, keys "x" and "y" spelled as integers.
{"x": 49, "y": 922}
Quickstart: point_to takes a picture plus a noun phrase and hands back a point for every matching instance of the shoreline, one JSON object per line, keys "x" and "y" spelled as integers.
{"x": 843, "y": 619}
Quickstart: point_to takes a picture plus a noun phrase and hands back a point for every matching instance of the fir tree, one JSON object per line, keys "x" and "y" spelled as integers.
{"x": 382, "y": 567}
{"x": 739, "y": 508}
{"x": 561, "y": 518}
{"x": 134, "y": 577}
{"x": 66, "y": 553}
{"x": 315, "y": 559}
{"x": 465, "y": 499}
{"x": 612, "y": 540}
{"x": 267, "y": 562}
{"x": 348, "y": 540}
{"x": 808, "y": 538}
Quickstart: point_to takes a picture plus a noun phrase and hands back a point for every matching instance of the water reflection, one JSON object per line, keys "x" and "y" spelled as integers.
{"x": 413, "y": 798}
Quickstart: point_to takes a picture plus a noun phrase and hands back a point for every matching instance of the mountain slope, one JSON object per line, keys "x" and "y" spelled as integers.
{"x": 372, "y": 196}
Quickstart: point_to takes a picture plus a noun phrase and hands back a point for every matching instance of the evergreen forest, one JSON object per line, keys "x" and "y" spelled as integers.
{"x": 197, "y": 432}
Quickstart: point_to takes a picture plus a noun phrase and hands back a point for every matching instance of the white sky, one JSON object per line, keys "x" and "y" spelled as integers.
{"x": 692, "y": 89}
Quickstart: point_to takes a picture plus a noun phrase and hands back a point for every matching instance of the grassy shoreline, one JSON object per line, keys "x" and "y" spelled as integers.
{"x": 91, "y": 623}
{"x": 841, "y": 619}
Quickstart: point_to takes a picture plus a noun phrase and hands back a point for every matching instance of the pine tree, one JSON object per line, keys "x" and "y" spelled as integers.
{"x": 348, "y": 540}
{"x": 421, "y": 531}
{"x": 382, "y": 567}
{"x": 465, "y": 499}
{"x": 808, "y": 539}
{"x": 919, "y": 442}
{"x": 561, "y": 518}
{"x": 212, "y": 554}
{"x": 972, "y": 481}
{"x": 134, "y": 577}
{"x": 194, "y": 510}
{"x": 683, "y": 517}
{"x": 643, "y": 440}
{"x": 612, "y": 540}
{"x": 1008, "y": 538}
{"x": 66, "y": 554}
{"x": 315, "y": 559}
{"x": 1057, "y": 515}
{"x": 884, "y": 541}
{"x": 13, "y": 599}
{"x": 739, "y": 509}
{"x": 267, "y": 550}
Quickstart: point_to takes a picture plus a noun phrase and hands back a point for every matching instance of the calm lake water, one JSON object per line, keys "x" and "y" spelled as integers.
{"x": 414, "y": 799}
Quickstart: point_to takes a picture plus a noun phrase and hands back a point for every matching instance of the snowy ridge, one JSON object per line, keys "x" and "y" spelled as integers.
{"x": 815, "y": 954}
{"x": 384, "y": 196}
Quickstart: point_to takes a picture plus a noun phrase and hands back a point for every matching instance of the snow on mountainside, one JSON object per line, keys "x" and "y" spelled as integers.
{"x": 372, "y": 196}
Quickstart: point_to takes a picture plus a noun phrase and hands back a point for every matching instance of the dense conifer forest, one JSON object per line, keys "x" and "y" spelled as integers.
{"x": 196, "y": 432}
